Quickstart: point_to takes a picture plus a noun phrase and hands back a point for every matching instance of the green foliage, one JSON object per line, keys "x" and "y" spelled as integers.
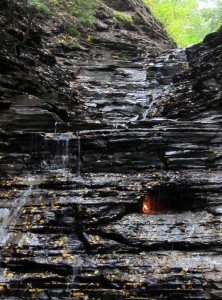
{"x": 123, "y": 17}
{"x": 73, "y": 43}
{"x": 70, "y": 41}
{"x": 39, "y": 5}
{"x": 70, "y": 29}
{"x": 213, "y": 15}
{"x": 83, "y": 10}
{"x": 184, "y": 20}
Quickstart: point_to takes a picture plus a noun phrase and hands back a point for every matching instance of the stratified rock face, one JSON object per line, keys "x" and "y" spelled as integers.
{"x": 111, "y": 167}
{"x": 196, "y": 93}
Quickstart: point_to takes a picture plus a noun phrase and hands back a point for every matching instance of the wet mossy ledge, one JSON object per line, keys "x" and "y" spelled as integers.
{"x": 110, "y": 161}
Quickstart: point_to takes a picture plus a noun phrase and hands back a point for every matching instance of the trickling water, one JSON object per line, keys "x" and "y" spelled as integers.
{"x": 133, "y": 119}
{"x": 167, "y": 57}
{"x": 65, "y": 156}
{"x": 15, "y": 211}
{"x": 58, "y": 146}
{"x": 115, "y": 125}
{"x": 76, "y": 268}
{"x": 56, "y": 124}
{"x": 74, "y": 274}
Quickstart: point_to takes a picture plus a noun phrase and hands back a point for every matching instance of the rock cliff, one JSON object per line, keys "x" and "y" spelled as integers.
{"x": 110, "y": 160}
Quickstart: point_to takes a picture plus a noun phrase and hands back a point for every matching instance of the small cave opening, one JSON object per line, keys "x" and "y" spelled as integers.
{"x": 152, "y": 204}
{"x": 170, "y": 199}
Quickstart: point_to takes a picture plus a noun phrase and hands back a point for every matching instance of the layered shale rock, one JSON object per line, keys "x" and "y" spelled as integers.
{"x": 111, "y": 164}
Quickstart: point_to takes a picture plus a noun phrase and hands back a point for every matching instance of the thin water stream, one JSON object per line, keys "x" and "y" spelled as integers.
{"x": 58, "y": 146}
{"x": 15, "y": 210}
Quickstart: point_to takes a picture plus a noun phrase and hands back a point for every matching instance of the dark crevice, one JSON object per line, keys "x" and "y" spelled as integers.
{"x": 78, "y": 229}
{"x": 28, "y": 266}
{"x": 115, "y": 237}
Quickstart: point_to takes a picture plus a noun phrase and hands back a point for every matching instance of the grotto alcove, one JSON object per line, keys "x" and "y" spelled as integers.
{"x": 92, "y": 130}
{"x": 171, "y": 199}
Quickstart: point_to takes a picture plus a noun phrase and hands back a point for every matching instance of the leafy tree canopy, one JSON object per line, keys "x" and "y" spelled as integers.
{"x": 187, "y": 21}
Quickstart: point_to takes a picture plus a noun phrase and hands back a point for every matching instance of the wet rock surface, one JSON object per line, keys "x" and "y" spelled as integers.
{"x": 81, "y": 151}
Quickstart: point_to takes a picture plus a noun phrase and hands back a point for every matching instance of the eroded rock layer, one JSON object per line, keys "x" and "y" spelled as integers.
{"x": 111, "y": 165}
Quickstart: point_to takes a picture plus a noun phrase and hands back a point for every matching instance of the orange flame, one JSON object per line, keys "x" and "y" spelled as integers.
{"x": 147, "y": 205}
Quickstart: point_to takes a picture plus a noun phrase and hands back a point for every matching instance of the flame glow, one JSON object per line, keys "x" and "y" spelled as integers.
{"x": 147, "y": 205}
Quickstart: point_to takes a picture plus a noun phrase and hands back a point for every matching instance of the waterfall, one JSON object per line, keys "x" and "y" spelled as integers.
{"x": 65, "y": 151}
{"x": 56, "y": 125}
{"x": 76, "y": 268}
{"x": 62, "y": 155}
{"x": 58, "y": 145}
{"x": 15, "y": 211}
